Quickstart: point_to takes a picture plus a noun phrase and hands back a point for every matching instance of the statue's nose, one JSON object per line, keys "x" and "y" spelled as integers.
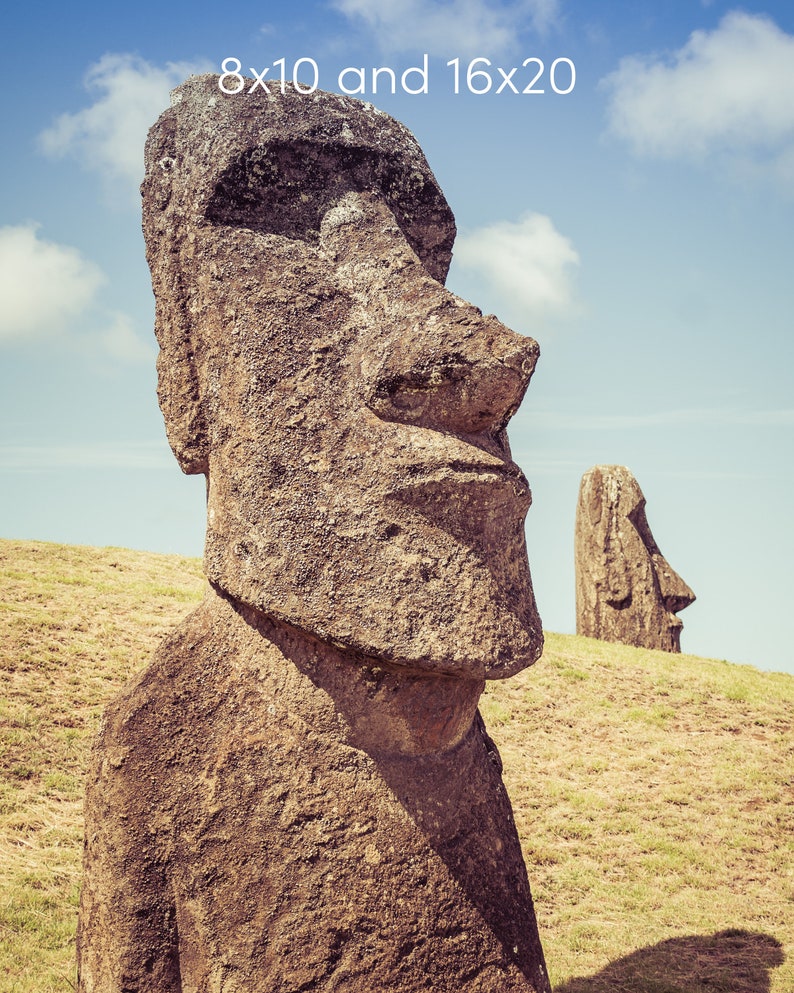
{"x": 425, "y": 356}
{"x": 451, "y": 369}
{"x": 675, "y": 593}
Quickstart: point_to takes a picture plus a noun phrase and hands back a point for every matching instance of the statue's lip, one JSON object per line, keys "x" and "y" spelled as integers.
{"x": 497, "y": 479}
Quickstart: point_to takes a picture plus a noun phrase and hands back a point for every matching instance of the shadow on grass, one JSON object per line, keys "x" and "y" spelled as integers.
{"x": 728, "y": 962}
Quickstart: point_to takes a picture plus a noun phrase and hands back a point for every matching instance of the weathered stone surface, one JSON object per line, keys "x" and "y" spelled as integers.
{"x": 625, "y": 588}
{"x": 299, "y": 793}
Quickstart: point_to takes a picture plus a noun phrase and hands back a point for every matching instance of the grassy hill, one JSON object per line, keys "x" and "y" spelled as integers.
{"x": 653, "y": 792}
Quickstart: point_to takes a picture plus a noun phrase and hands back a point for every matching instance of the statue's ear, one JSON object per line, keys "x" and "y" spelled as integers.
{"x": 178, "y": 385}
{"x": 600, "y": 503}
{"x": 618, "y": 582}
{"x": 180, "y": 402}
{"x": 591, "y": 497}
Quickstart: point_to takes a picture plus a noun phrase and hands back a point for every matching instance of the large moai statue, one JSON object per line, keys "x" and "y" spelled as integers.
{"x": 299, "y": 793}
{"x": 625, "y": 588}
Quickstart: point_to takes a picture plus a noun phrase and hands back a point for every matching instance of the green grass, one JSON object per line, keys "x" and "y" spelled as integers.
{"x": 653, "y": 793}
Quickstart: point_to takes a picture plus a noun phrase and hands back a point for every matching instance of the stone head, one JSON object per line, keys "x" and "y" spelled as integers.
{"x": 348, "y": 411}
{"x": 626, "y": 590}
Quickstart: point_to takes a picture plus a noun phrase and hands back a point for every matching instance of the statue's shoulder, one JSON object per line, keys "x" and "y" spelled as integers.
{"x": 145, "y": 708}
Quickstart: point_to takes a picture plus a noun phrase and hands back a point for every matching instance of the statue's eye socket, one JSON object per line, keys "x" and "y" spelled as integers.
{"x": 287, "y": 189}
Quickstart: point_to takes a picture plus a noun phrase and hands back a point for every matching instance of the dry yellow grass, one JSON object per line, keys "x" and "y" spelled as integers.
{"x": 74, "y": 624}
{"x": 653, "y": 793}
{"x": 654, "y": 796}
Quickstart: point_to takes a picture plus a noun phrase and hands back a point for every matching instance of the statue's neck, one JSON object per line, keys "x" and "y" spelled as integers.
{"x": 367, "y": 704}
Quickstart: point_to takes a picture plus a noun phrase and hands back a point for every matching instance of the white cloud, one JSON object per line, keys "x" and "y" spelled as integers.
{"x": 730, "y": 90}
{"x": 449, "y": 27}
{"x": 48, "y": 292}
{"x": 527, "y": 262}
{"x": 109, "y": 135}
{"x": 42, "y": 284}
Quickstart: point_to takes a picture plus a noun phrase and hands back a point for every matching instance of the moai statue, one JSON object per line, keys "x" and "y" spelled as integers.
{"x": 625, "y": 589}
{"x": 299, "y": 793}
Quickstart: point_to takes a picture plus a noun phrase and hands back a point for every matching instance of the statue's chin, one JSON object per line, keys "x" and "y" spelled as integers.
{"x": 434, "y": 609}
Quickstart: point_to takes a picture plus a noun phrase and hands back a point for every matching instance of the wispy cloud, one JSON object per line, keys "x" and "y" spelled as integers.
{"x": 108, "y": 136}
{"x": 527, "y": 262}
{"x": 537, "y": 465}
{"x": 42, "y": 284}
{"x": 449, "y": 27}
{"x": 119, "y": 340}
{"x": 90, "y": 455}
{"x": 729, "y": 91}
{"x": 717, "y": 417}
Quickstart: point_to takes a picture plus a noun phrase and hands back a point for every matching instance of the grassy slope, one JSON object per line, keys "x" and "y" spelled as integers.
{"x": 653, "y": 793}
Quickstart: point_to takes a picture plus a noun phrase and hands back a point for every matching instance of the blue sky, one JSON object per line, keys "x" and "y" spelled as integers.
{"x": 639, "y": 227}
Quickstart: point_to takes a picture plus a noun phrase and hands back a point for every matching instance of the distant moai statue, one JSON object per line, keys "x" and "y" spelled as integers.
{"x": 299, "y": 793}
{"x": 625, "y": 588}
